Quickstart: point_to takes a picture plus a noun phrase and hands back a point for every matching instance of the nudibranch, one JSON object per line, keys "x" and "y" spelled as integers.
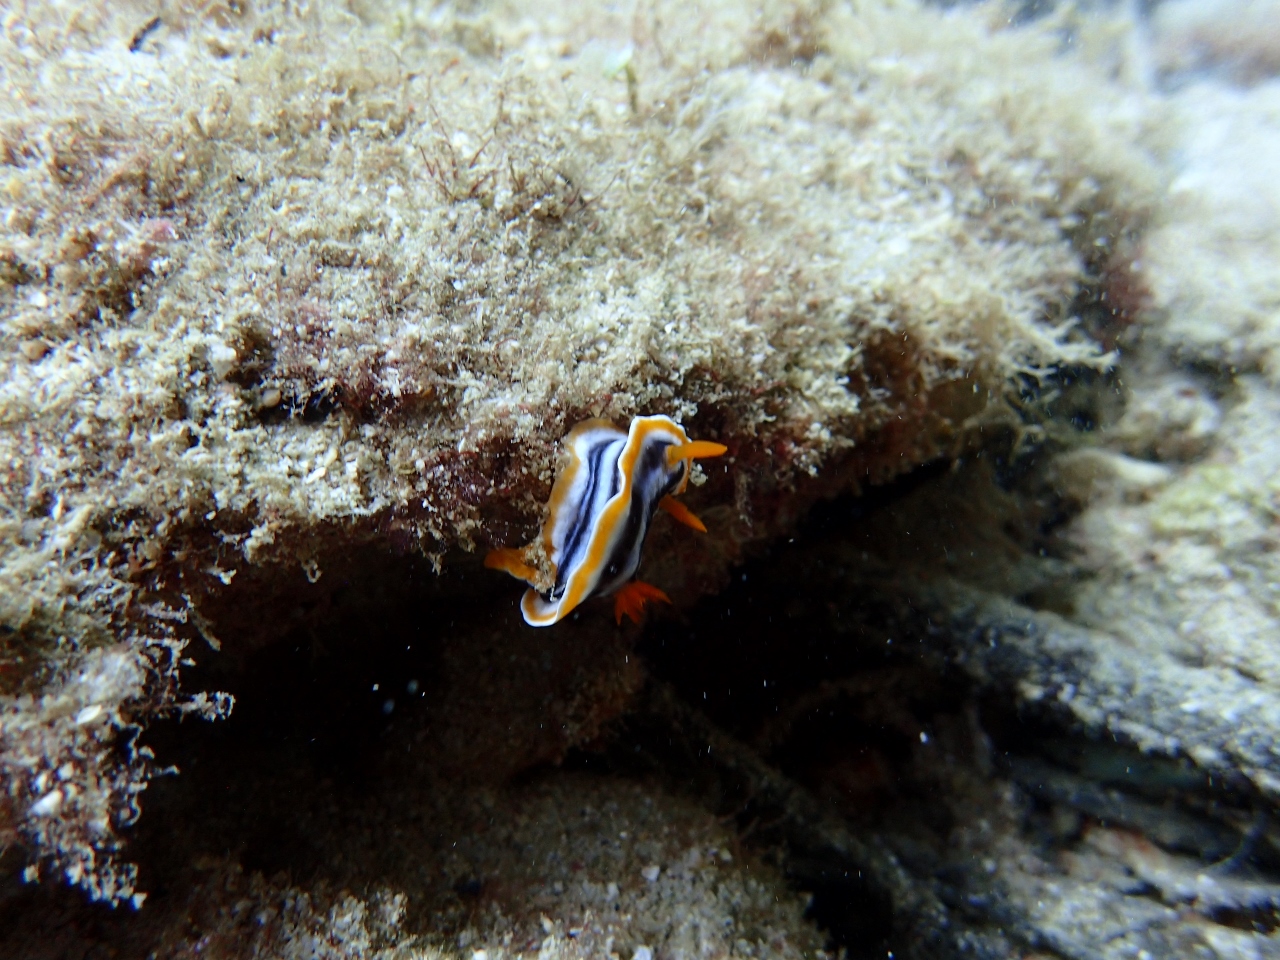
{"x": 602, "y": 503}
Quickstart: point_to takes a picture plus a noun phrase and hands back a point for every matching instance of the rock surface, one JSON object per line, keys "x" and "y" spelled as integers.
{"x": 279, "y": 284}
{"x": 295, "y": 307}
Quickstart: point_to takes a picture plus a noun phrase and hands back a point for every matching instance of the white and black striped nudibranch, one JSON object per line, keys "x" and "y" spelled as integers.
{"x": 601, "y": 505}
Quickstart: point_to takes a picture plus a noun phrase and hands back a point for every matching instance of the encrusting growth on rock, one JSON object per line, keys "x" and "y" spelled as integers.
{"x": 282, "y": 283}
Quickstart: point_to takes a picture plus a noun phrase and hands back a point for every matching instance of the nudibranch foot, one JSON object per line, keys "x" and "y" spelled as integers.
{"x": 606, "y": 493}
{"x": 631, "y": 599}
{"x": 681, "y": 513}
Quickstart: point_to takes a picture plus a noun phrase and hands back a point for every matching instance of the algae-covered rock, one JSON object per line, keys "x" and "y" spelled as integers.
{"x": 277, "y": 283}
{"x": 1210, "y": 257}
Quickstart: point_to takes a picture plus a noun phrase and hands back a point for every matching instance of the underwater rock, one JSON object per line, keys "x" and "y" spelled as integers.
{"x": 1232, "y": 39}
{"x": 280, "y": 285}
{"x": 1210, "y": 255}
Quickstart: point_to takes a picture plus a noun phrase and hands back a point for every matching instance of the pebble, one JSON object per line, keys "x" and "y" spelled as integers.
{"x": 48, "y": 805}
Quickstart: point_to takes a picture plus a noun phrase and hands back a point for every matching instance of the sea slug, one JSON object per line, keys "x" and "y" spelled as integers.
{"x": 601, "y": 506}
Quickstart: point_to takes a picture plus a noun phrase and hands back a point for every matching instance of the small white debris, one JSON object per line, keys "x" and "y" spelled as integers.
{"x": 611, "y": 892}
{"x": 642, "y": 953}
{"x": 137, "y": 900}
{"x": 222, "y": 358}
{"x": 616, "y": 62}
{"x": 480, "y": 955}
{"x": 47, "y": 805}
{"x": 89, "y": 714}
{"x": 924, "y": 737}
{"x": 651, "y": 872}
